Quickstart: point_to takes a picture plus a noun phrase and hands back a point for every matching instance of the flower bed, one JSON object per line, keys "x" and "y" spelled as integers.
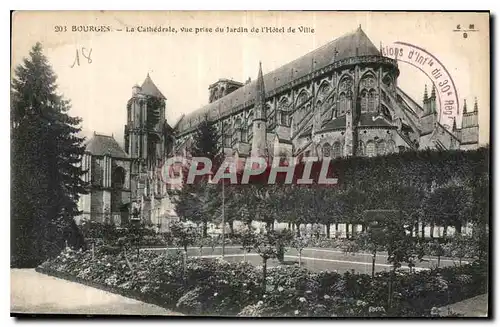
{"x": 216, "y": 287}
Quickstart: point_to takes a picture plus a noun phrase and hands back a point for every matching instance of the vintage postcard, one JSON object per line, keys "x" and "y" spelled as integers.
{"x": 250, "y": 164}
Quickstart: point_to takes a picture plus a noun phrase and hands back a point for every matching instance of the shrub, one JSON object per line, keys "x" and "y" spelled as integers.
{"x": 222, "y": 288}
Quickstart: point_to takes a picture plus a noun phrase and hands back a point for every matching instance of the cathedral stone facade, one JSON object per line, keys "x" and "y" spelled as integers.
{"x": 339, "y": 100}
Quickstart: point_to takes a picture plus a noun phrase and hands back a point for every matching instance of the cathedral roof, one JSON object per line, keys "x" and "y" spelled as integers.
{"x": 337, "y": 123}
{"x": 350, "y": 45}
{"x": 373, "y": 119}
{"x": 100, "y": 145}
{"x": 149, "y": 88}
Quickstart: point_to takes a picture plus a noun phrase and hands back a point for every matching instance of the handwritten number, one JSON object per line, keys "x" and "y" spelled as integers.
{"x": 84, "y": 54}
{"x": 89, "y": 60}
{"x": 77, "y": 59}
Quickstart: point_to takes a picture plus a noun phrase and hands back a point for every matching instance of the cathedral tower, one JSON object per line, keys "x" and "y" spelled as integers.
{"x": 428, "y": 118}
{"x": 259, "y": 143}
{"x": 470, "y": 126}
{"x": 145, "y": 143}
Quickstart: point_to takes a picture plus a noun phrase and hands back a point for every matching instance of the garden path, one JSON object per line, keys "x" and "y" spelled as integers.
{"x": 32, "y": 292}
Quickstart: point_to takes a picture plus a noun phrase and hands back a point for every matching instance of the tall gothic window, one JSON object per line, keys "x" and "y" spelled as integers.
{"x": 364, "y": 101}
{"x": 326, "y": 150}
{"x": 370, "y": 149}
{"x": 343, "y": 103}
{"x": 371, "y": 100}
{"x": 237, "y": 131}
{"x": 226, "y": 136}
{"x": 337, "y": 150}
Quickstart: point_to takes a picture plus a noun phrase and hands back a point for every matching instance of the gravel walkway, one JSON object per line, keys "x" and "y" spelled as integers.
{"x": 32, "y": 292}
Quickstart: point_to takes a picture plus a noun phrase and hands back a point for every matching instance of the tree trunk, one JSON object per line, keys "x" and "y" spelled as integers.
{"x": 458, "y": 228}
{"x": 264, "y": 274}
{"x": 439, "y": 260}
{"x": 298, "y": 229}
{"x": 432, "y": 230}
{"x": 374, "y": 259}
{"x": 289, "y": 226}
{"x": 300, "y": 257}
{"x": 445, "y": 231}
{"x": 328, "y": 230}
{"x": 415, "y": 228}
{"x": 336, "y": 230}
{"x": 423, "y": 231}
{"x": 205, "y": 227}
{"x": 391, "y": 279}
{"x": 184, "y": 262}
{"x": 231, "y": 227}
{"x": 347, "y": 231}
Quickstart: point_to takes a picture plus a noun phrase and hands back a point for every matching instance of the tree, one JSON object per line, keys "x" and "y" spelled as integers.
{"x": 45, "y": 171}
{"x": 265, "y": 246}
{"x": 206, "y": 142}
{"x": 199, "y": 202}
{"x": 248, "y": 240}
{"x": 184, "y": 236}
{"x": 372, "y": 239}
{"x": 448, "y": 206}
{"x": 460, "y": 246}
{"x": 437, "y": 249}
{"x": 400, "y": 246}
{"x": 300, "y": 243}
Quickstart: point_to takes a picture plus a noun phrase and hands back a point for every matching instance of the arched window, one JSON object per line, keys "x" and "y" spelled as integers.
{"x": 337, "y": 150}
{"x": 371, "y": 100}
{"x": 364, "y": 101}
{"x": 323, "y": 90}
{"x": 381, "y": 148}
{"x": 244, "y": 134}
{"x": 370, "y": 149}
{"x": 237, "y": 131}
{"x": 326, "y": 150}
{"x": 360, "y": 151}
{"x": 343, "y": 103}
{"x": 227, "y": 133}
{"x": 284, "y": 112}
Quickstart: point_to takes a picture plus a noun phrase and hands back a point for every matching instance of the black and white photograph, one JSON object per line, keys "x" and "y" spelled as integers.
{"x": 250, "y": 164}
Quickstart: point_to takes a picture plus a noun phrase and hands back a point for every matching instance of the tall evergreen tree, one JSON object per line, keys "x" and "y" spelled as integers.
{"x": 206, "y": 141}
{"x": 198, "y": 202}
{"x": 45, "y": 156}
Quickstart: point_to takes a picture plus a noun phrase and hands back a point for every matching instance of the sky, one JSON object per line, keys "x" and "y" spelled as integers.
{"x": 184, "y": 64}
